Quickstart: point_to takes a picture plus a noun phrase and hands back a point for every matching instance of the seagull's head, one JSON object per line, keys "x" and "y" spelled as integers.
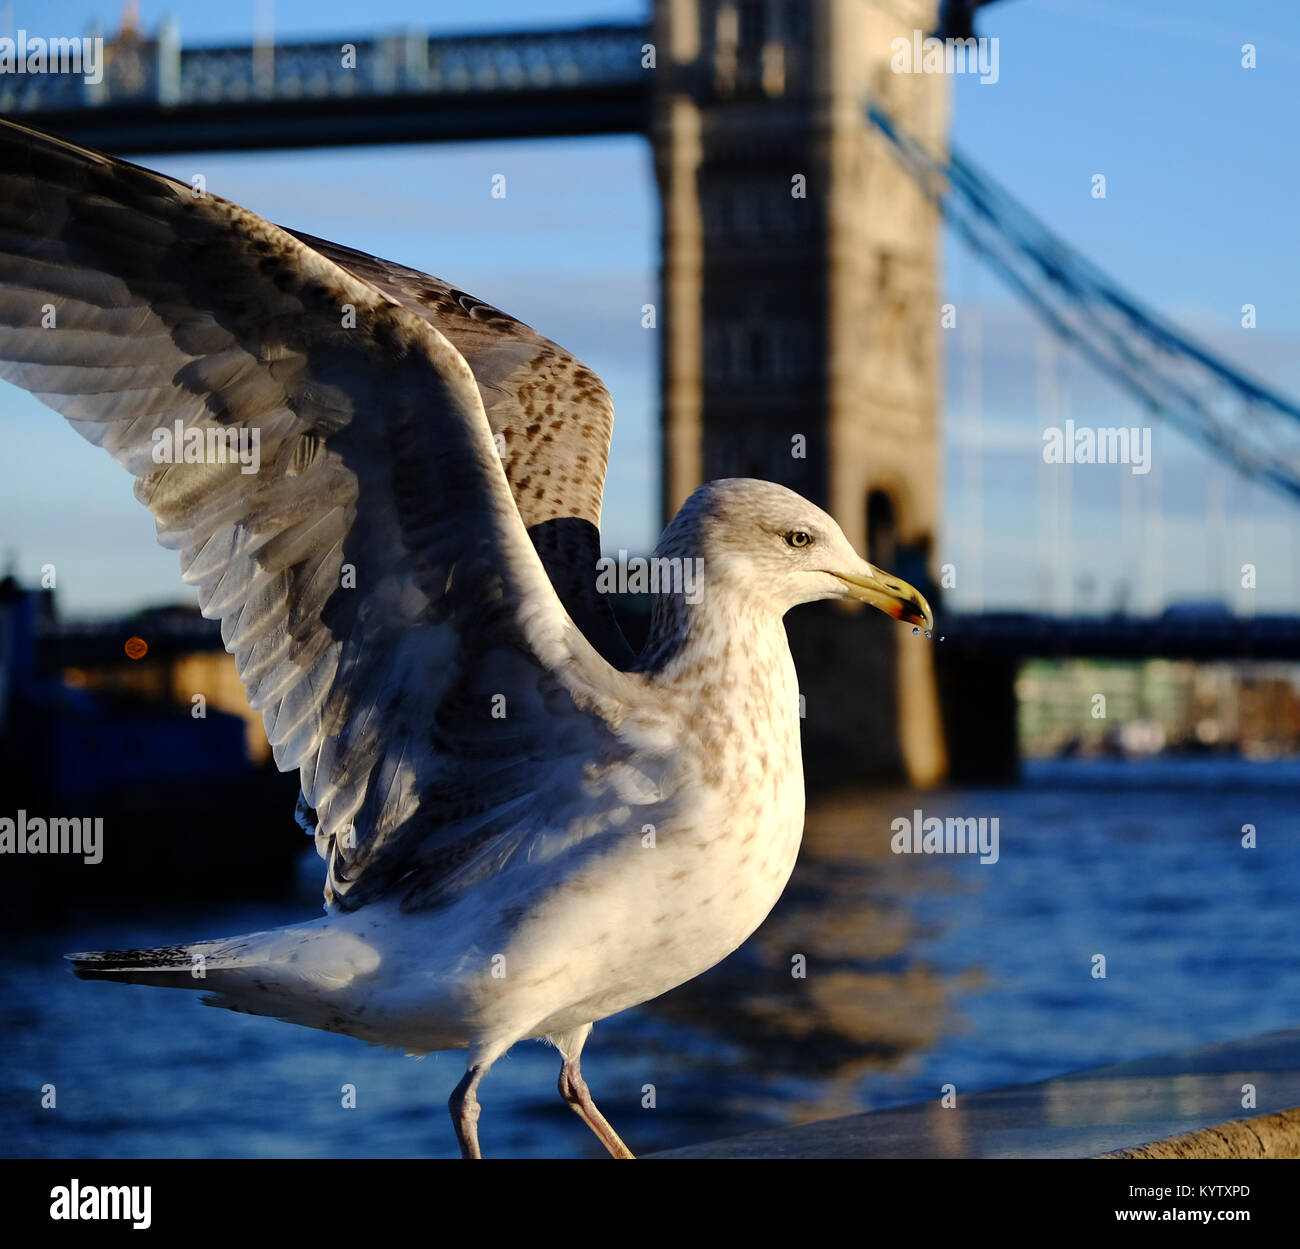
{"x": 770, "y": 544}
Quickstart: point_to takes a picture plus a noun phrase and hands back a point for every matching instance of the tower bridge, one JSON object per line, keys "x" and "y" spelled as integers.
{"x": 799, "y": 332}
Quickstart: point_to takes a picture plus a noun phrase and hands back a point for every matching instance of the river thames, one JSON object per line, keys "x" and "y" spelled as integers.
{"x": 878, "y": 979}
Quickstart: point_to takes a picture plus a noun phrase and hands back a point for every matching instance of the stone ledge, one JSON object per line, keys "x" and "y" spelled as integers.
{"x": 1269, "y": 1136}
{"x": 1188, "y": 1103}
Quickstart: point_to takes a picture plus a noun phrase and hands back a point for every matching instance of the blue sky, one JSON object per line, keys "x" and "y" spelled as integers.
{"x": 1199, "y": 218}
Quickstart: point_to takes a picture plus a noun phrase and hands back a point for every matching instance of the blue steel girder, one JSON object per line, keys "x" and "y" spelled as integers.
{"x": 1248, "y": 426}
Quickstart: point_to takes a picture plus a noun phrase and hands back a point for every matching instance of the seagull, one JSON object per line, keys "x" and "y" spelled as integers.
{"x": 527, "y": 827}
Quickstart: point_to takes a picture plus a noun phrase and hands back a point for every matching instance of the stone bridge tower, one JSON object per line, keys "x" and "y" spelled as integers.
{"x": 801, "y": 322}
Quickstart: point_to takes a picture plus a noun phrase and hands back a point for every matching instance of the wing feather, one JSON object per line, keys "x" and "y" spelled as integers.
{"x": 554, "y": 419}
{"x": 373, "y": 576}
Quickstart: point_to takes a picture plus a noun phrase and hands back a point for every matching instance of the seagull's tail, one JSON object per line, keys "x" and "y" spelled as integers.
{"x": 169, "y": 966}
{"x": 322, "y": 974}
{"x": 259, "y": 972}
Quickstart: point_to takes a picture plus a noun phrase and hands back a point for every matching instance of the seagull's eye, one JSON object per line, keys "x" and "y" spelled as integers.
{"x": 798, "y": 538}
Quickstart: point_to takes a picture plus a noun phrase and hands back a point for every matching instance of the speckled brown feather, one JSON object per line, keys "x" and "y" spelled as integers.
{"x": 553, "y": 418}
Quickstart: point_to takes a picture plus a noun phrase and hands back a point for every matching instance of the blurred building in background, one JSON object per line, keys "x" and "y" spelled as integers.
{"x": 1159, "y": 706}
{"x": 161, "y": 746}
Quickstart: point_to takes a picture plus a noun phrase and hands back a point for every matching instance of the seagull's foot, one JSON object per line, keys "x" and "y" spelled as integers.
{"x": 465, "y": 1112}
{"x": 574, "y": 1090}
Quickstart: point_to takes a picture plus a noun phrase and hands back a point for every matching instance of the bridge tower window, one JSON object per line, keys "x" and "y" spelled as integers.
{"x": 882, "y": 530}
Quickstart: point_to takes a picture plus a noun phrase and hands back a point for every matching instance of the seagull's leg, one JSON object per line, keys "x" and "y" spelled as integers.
{"x": 574, "y": 1090}
{"x": 465, "y": 1111}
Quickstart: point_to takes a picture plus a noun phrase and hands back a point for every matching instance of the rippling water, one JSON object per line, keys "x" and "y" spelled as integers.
{"x": 921, "y": 971}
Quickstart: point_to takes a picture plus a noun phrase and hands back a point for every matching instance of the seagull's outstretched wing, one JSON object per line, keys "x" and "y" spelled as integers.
{"x": 553, "y": 419}
{"x": 373, "y": 578}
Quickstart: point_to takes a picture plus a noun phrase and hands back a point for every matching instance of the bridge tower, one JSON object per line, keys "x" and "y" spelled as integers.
{"x": 801, "y": 321}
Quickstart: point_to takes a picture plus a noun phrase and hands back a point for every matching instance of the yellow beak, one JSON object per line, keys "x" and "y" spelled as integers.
{"x": 891, "y": 595}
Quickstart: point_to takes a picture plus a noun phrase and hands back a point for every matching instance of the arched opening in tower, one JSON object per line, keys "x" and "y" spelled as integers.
{"x": 882, "y": 530}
